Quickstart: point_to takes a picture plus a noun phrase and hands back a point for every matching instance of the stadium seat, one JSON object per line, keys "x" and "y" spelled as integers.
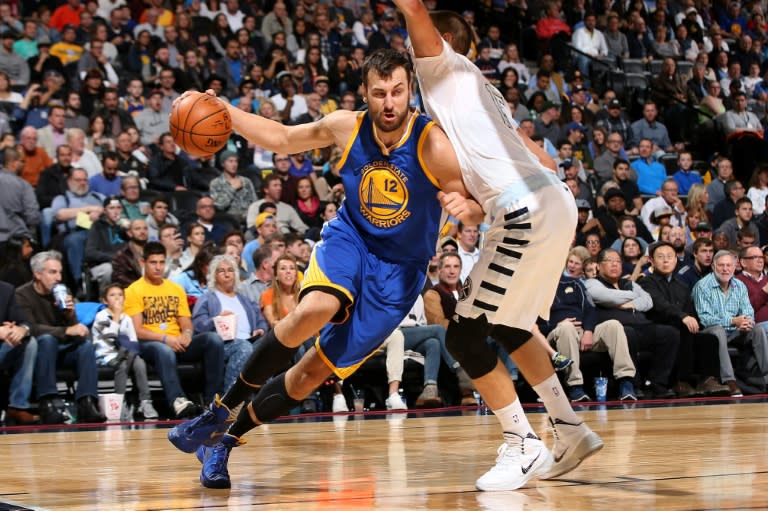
{"x": 669, "y": 160}
{"x": 655, "y": 66}
{"x": 633, "y": 66}
{"x": 684, "y": 67}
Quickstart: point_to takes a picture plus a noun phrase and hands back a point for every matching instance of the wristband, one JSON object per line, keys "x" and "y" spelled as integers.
{"x": 164, "y": 338}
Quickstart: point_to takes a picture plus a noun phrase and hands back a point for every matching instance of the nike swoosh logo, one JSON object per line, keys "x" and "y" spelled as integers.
{"x": 558, "y": 458}
{"x": 526, "y": 469}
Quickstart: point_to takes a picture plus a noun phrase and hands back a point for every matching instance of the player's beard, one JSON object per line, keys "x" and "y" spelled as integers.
{"x": 386, "y": 126}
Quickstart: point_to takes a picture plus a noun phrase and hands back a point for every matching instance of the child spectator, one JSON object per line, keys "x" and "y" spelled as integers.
{"x": 117, "y": 346}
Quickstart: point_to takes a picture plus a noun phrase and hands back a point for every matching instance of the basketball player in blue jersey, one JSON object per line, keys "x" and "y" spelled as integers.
{"x": 365, "y": 274}
{"x": 532, "y": 216}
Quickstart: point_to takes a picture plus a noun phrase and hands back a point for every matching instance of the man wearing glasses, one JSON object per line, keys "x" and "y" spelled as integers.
{"x": 670, "y": 198}
{"x": 753, "y": 276}
{"x": 604, "y": 163}
{"x": 722, "y": 303}
{"x": 133, "y": 207}
{"x": 206, "y": 210}
{"x": 627, "y": 302}
{"x": 673, "y": 306}
{"x": 72, "y": 211}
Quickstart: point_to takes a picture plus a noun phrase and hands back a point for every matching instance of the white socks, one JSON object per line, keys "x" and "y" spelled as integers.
{"x": 513, "y": 419}
{"x": 556, "y": 401}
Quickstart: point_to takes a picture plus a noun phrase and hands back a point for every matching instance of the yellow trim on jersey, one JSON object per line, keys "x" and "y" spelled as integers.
{"x": 419, "y": 148}
{"x": 351, "y": 140}
{"x": 315, "y": 277}
{"x": 341, "y": 372}
{"x": 406, "y": 134}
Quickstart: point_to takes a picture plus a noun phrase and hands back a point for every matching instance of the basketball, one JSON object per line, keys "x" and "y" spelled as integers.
{"x": 200, "y": 124}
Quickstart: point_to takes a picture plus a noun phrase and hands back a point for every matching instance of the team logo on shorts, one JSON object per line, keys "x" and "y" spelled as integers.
{"x": 465, "y": 290}
{"x": 383, "y": 194}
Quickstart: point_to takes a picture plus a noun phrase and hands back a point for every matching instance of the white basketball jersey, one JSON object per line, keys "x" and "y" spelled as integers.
{"x": 477, "y": 120}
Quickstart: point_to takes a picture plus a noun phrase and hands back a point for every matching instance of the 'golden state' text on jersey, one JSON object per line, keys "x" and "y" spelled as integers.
{"x": 391, "y": 199}
{"x": 373, "y": 256}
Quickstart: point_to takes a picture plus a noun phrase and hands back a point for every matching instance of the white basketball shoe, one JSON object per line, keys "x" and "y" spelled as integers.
{"x": 573, "y": 444}
{"x": 520, "y": 459}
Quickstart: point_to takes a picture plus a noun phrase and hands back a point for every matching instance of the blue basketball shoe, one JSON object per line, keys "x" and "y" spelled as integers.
{"x": 205, "y": 429}
{"x": 214, "y": 473}
{"x": 202, "y": 452}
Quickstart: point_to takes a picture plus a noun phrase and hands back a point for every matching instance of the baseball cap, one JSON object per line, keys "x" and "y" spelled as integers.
{"x": 574, "y": 126}
{"x": 388, "y": 15}
{"x": 703, "y": 227}
{"x": 547, "y": 105}
{"x": 227, "y": 154}
{"x": 449, "y": 241}
{"x": 662, "y": 211}
{"x": 322, "y": 78}
{"x": 567, "y": 163}
{"x": 111, "y": 201}
{"x": 283, "y": 74}
{"x": 8, "y": 34}
{"x": 614, "y": 103}
{"x": 613, "y": 192}
{"x": 263, "y": 217}
{"x": 578, "y": 88}
{"x": 582, "y": 204}
{"x": 691, "y": 10}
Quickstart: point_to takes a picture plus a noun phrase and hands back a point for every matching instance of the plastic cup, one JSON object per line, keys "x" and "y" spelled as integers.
{"x": 60, "y": 293}
{"x": 359, "y": 401}
{"x": 601, "y": 388}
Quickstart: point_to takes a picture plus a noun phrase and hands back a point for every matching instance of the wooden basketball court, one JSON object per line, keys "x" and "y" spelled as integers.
{"x": 707, "y": 455}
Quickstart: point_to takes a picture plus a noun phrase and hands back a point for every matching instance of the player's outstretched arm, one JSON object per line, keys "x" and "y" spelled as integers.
{"x": 277, "y": 137}
{"x": 425, "y": 38}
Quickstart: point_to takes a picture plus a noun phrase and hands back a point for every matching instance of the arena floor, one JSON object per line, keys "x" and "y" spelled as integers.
{"x": 675, "y": 455}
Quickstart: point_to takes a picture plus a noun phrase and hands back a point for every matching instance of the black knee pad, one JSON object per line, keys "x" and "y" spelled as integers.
{"x": 510, "y": 338}
{"x": 466, "y": 342}
{"x": 273, "y": 401}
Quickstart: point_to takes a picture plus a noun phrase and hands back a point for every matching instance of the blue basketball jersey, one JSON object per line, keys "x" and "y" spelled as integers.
{"x": 391, "y": 200}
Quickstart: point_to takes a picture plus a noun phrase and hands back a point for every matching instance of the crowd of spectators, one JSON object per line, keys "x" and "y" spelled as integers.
{"x": 93, "y": 183}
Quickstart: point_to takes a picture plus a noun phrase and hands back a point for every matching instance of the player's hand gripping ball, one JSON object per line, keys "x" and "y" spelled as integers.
{"x": 200, "y": 124}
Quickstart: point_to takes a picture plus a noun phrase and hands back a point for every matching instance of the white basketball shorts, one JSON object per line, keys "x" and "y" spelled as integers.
{"x": 524, "y": 254}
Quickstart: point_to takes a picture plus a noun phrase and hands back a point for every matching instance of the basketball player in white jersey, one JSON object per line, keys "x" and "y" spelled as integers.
{"x": 532, "y": 217}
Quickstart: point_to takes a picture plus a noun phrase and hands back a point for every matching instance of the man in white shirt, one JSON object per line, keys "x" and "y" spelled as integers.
{"x": 670, "y": 198}
{"x": 590, "y": 41}
{"x": 289, "y": 104}
{"x": 468, "y": 251}
{"x": 234, "y": 15}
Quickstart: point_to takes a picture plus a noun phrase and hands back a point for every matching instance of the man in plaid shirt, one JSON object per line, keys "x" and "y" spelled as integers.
{"x": 722, "y": 304}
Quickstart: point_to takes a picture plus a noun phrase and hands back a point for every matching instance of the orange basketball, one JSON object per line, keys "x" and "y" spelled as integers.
{"x": 200, "y": 124}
